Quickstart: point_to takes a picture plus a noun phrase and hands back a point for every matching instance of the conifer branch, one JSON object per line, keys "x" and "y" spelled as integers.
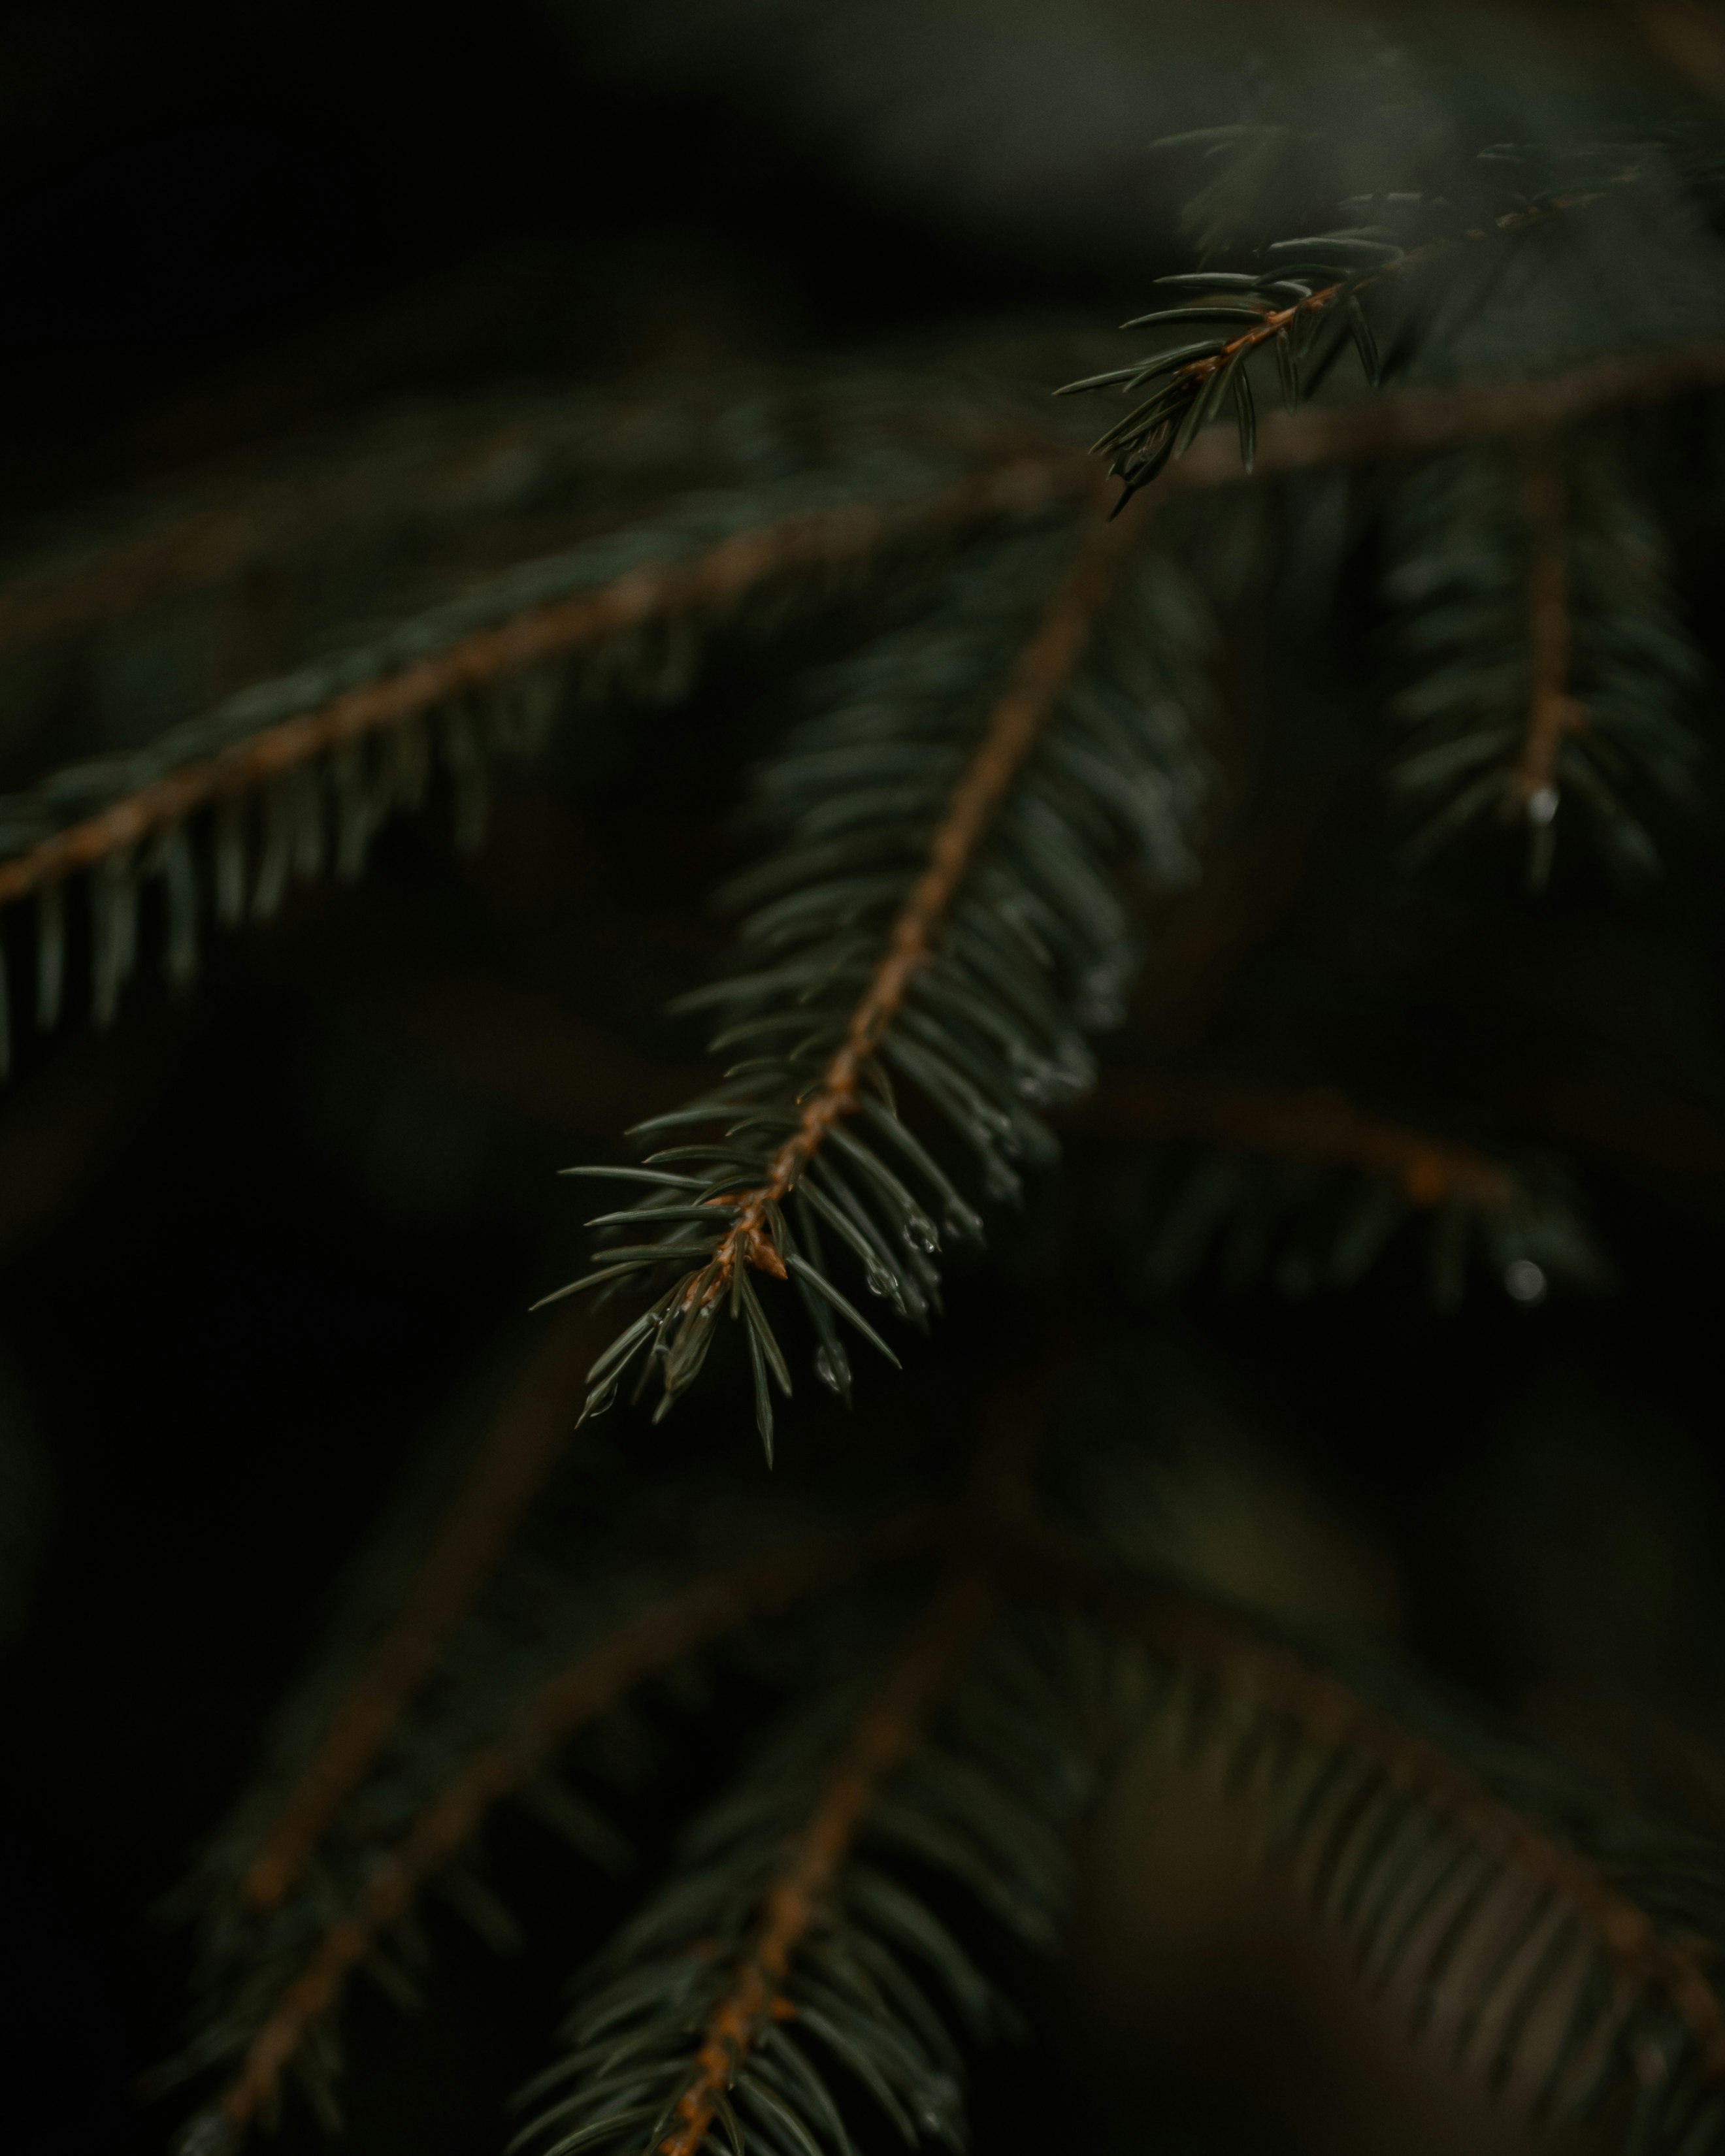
{"x": 703, "y": 1612}
{"x": 892, "y": 1727}
{"x": 1043, "y": 669}
{"x": 813, "y": 542}
{"x": 1549, "y": 658}
{"x": 488, "y": 674}
{"x": 930, "y": 920}
{"x": 1422, "y": 1858}
{"x": 365, "y": 745}
{"x": 1307, "y": 1188}
{"x": 1288, "y": 308}
{"x": 1315, "y": 1124}
{"x": 520, "y": 1447}
{"x": 1414, "y": 423}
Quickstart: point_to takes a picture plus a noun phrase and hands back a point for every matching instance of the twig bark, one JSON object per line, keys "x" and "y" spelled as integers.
{"x": 1552, "y": 711}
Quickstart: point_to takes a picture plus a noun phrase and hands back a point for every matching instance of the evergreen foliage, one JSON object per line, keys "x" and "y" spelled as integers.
{"x": 954, "y": 862}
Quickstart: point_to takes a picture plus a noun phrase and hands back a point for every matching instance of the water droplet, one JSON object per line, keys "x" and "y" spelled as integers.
{"x": 833, "y": 1367}
{"x": 937, "y": 2105}
{"x": 920, "y": 1234}
{"x": 1524, "y": 1281}
{"x": 208, "y": 2134}
{"x": 1542, "y": 804}
{"x": 1046, "y": 1081}
{"x": 889, "y": 1287}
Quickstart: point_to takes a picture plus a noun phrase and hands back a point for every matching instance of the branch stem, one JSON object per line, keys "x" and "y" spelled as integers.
{"x": 1552, "y": 711}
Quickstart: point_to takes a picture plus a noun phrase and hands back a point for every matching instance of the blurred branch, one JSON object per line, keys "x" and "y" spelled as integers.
{"x": 1317, "y": 1124}
{"x": 1687, "y": 33}
{"x": 704, "y": 1611}
{"x": 1279, "y": 1687}
{"x": 1415, "y": 422}
{"x": 823, "y": 542}
{"x": 818, "y": 541}
{"x": 1551, "y": 710}
{"x": 517, "y": 1452}
{"x": 891, "y": 1728}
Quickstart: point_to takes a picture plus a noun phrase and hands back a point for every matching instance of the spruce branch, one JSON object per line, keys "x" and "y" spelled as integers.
{"x": 912, "y": 928}
{"x": 1315, "y": 1124}
{"x": 1043, "y": 669}
{"x": 223, "y": 812}
{"x": 520, "y": 1447}
{"x": 1298, "y": 310}
{"x": 1306, "y": 1187}
{"x": 1414, "y": 423}
{"x": 1568, "y": 1950}
{"x": 785, "y": 1928}
{"x": 704, "y": 1611}
{"x": 489, "y": 674}
{"x": 891, "y": 1728}
{"x": 1551, "y": 661}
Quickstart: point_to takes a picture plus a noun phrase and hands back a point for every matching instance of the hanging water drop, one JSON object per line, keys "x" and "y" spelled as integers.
{"x": 832, "y": 1368}
{"x": 1524, "y": 1282}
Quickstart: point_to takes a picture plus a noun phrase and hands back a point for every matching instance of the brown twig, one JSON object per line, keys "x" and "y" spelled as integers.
{"x": 1414, "y": 423}
{"x": 518, "y": 1451}
{"x": 890, "y": 1730}
{"x": 1044, "y": 668}
{"x": 701, "y": 1612}
{"x": 1552, "y": 711}
{"x": 1404, "y": 425}
{"x": 1182, "y": 1629}
{"x": 818, "y": 542}
{"x": 1316, "y": 1124}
